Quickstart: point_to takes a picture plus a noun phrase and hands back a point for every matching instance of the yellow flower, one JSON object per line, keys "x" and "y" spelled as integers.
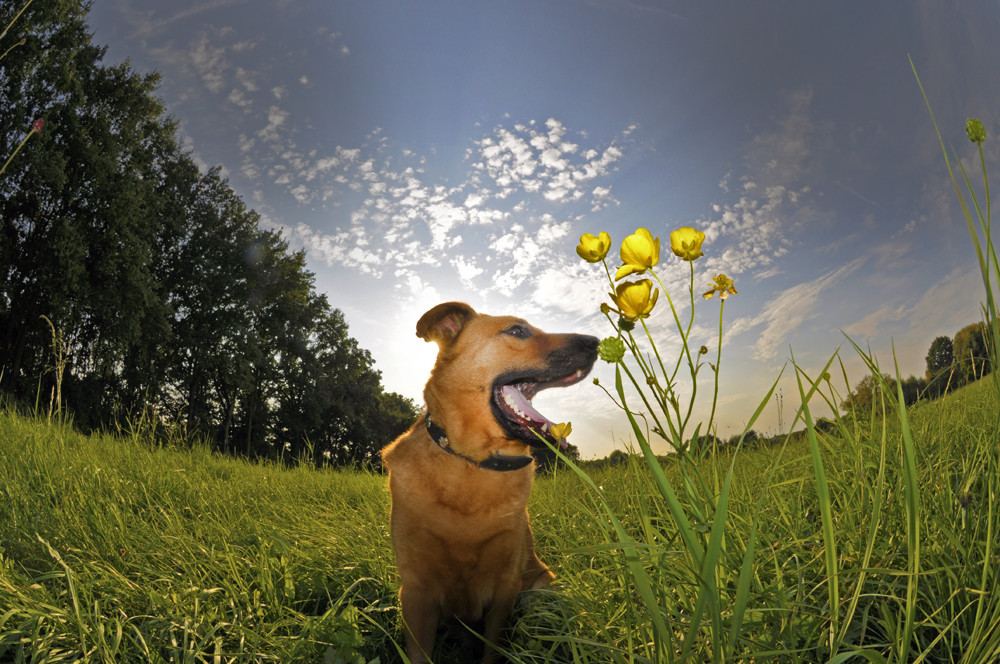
{"x": 633, "y": 298}
{"x": 561, "y": 431}
{"x": 722, "y": 285}
{"x": 592, "y": 249}
{"x": 639, "y": 252}
{"x": 686, "y": 243}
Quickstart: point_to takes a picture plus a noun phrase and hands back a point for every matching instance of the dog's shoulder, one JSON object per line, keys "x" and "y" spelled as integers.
{"x": 407, "y": 444}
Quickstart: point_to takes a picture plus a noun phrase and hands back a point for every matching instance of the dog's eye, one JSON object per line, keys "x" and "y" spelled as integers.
{"x": 518, "y": 331}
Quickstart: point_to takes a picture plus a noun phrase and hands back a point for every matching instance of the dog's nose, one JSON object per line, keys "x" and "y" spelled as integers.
{"x": 588, "y": 342}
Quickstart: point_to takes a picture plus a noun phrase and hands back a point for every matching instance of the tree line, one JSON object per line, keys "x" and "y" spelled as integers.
{"x": 132, "y": 283}
{"x": 950, "y": 364}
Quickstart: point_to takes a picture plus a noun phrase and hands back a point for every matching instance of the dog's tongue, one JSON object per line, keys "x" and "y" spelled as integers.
{"x": 521, "y": 406}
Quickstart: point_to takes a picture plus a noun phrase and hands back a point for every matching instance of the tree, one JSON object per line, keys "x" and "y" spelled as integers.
{"x": 546, "y": 460}
{"x": 940, "y": 365}
{"x": 617, "y": 458}
{"x": 75, "y": 230}
{"x": 971, "y": 353}
{"x": 867, "y": 394}
{"x": 172, "y": 295}
{"x": 914, "y": 389}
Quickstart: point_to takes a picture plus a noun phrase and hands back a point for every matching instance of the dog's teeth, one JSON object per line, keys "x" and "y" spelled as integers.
{"x": 513, "y": 406}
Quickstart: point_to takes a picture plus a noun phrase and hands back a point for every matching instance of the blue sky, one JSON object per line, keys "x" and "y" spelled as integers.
{"x": 430, "y": 151}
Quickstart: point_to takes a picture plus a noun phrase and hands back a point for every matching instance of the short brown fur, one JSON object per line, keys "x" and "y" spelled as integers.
{"x": 460, "y": 532}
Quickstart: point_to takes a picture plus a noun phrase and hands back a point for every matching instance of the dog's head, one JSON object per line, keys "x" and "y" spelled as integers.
{"x": 489, "y": 368}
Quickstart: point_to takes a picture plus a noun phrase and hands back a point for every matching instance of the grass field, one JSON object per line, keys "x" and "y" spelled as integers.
{"x": 113, "y": 549}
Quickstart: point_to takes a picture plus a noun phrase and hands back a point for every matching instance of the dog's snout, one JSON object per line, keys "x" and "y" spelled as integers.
{"x": 578, "y": 350}
{"x": 583, "y": 344}
{"x": 589, "y": 343}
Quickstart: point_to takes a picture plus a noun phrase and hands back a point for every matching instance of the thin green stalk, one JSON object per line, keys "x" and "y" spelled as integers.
{"x": 680, "y": 328}
{"x": 984, "y": 582}
{"x": 746, "y": 575}
{"x": 718, "y": 367}
{"x": 825, "y": 506}
{"x": 13, "y": 20}
{"x": 911, "y": 498}
{"x": 17, "y": 149}
{"x": 662, "y": 635}
{"x": 991, "y": 258}
{"x": 663, "y": 484}
{"x": 652, "y": 411}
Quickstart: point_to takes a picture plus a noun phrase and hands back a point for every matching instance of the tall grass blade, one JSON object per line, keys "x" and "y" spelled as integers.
{"x": 911, "y": 494}
{"x": 825, "y": 506}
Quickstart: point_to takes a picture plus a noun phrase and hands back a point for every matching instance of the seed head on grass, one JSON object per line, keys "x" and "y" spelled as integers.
{"x": 975, "y": 130}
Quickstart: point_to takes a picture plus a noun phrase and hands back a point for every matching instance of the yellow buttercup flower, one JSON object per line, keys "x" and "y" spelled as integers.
{"x": 561, "y": 431}
{"x": 593, "y": 249}
{"x": 722, "y": 285}
{"x": 686, "y": 243}
{"x": 633, "y": 298}
{"x": 640, "y": 251}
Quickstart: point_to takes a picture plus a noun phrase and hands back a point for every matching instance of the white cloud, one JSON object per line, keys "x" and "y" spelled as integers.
{"x": 467, "y": 270}
{"x": 247, "y": 78}
{"x": 209, "y": 62}
{"x": 785, "y": 313}
{"x": 504, "y": 226}
{"x": 275, "y": 120}
{"x": 870, "y": 325}
{"x": 784, "y": 156}
{"x": 524, "y": 159}
{"x": 238, "y": 98}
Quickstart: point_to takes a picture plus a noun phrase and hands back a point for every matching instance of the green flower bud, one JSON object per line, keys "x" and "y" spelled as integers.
{"x": 626, "y": 325}
{"x": 975, "y": 129}
{"x": 611, "y": 350}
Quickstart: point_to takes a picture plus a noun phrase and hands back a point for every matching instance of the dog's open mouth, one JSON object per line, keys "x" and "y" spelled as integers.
{"x": 513, "y": 409}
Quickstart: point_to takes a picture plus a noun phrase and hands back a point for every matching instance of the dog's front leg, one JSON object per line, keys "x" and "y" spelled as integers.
{"x": 420, "y": 618}
{"x": 495, "y": 624}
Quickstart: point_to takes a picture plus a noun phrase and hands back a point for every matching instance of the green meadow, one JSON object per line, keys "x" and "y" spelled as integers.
{"x": 114, "y": 548}
{"x": 871, "y": 537}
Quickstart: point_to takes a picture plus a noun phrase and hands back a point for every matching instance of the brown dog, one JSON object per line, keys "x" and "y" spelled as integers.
{"x": 461, "y": 476}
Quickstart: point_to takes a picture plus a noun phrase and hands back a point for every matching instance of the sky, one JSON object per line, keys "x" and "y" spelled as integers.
{"x": 423, "y": 152}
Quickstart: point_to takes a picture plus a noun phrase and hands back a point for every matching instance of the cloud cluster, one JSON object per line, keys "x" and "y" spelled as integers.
{"x": 499, "y": 230}
{"x": 526, "y": 158}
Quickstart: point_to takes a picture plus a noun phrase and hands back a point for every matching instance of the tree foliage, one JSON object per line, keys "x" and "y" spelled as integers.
{"x": 171, "y": 294}
{"x": 867, "y": 394}
{"x": 971, "y": 353}
{"x": 940, "y": 364}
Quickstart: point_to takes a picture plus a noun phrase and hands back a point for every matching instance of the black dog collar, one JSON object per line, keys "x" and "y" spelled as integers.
{"x": 500, "y": 462}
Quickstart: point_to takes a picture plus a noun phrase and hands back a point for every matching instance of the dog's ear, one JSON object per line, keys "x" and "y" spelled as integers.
{"x": 443, "y": 323}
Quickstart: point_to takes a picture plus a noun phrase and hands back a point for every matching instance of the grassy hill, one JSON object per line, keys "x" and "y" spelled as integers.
{"x": 113, "y": 549}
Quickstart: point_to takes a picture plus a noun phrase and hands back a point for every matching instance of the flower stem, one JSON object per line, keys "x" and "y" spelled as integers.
{"x": 17, "y": 149}
{"x": 718, "y": 364}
